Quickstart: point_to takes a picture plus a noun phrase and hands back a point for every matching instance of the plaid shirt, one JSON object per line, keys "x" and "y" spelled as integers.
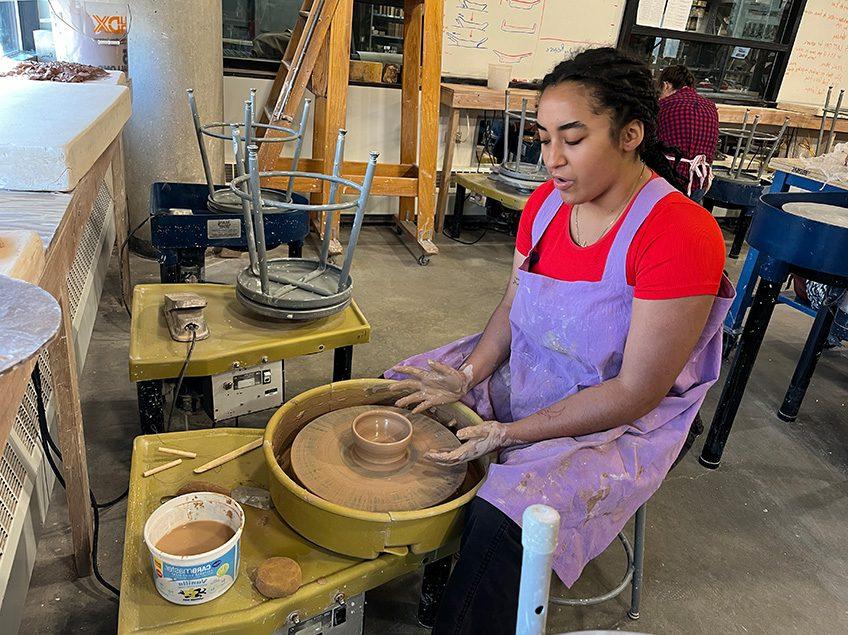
{"x": 689, "y": 122}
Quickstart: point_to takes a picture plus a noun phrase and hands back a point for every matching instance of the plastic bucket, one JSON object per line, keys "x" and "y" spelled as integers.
{"x": 499, "y": 76}
{"x": 203, "y": 577}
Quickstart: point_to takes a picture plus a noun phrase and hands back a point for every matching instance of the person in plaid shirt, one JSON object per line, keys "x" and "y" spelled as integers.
{"x": 689, "y": 122}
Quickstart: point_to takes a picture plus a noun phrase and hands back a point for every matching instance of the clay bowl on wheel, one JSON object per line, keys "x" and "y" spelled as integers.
{"x": 381, "y": 436}
{"x": 346, "y": 530}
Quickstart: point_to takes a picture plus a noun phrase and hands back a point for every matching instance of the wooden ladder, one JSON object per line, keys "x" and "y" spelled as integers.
{"x": 324, "y": 69}
{"x": 295, "y": 74}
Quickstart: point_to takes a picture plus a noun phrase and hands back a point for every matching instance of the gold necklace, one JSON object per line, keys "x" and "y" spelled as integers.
{"x": 614, "y": 218}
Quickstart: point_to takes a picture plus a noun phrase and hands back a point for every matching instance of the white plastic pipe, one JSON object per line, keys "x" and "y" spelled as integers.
{"x": 539, "y": 529}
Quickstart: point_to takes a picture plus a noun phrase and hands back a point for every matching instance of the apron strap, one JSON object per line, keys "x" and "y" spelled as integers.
{"x": 543, "y": 219}
{"x": 650, "y": 194}
{"x": 699, "y": 168}
{"x": 545, "y": 215}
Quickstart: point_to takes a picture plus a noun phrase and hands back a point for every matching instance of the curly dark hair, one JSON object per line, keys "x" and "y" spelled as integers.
{"x": 678, "y": 76}
{"x": 623, "y": 87}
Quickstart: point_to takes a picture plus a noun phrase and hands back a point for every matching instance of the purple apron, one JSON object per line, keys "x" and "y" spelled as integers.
{"x": 567, "y": 336}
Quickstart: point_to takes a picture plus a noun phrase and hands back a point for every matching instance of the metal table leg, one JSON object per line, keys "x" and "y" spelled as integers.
{"x": 773, "y": 273}
{"x": 169, "y": 265}
{"x": 433, "y": 585}
{"x": 638, "y": 563}
{"x": 182, "y": 265}
{"x": 151, "y": 406}
{"x": 809, "y": 358}
{"x": 342, "y": 363}
{"x": 296, "y": 249}
{"x": 458, "y": 207}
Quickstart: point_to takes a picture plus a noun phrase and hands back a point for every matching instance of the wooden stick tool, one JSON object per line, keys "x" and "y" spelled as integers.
{"x": 176, "y": 452}
{"x": 229, "y": 456}
{"x": 162, "y": 468}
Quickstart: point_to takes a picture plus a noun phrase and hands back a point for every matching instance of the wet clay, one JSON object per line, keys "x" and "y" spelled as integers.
{"x": 278, "y": 577}
{"x": 195, "y": 537}
{"x": 325, "y": 460}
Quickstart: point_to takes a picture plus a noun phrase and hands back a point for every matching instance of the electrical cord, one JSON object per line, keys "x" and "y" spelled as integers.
{"x": 121, "y": 259}
{"x": 466, "y": 242}
{"x": 193, "y": 328}
{"x": 46, "y": 436}
{"x": 49, "y": 446}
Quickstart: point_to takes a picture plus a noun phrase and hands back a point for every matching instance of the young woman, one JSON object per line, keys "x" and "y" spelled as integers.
{"x": 597, "y": 359}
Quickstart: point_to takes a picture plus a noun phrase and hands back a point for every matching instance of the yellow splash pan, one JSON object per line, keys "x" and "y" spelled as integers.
{"x": 343, "y": 529}
{"x": 411, "y": 539}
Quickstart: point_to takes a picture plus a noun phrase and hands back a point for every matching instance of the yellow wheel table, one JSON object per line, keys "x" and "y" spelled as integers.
{"x": 333, "y": 583}
{"x": 239, "y": 342}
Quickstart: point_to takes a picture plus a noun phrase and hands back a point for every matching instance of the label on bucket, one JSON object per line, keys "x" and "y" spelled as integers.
{"x": 198, "y": 583}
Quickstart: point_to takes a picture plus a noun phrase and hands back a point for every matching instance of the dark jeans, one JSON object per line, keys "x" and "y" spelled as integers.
{"x": 482, "y": 593}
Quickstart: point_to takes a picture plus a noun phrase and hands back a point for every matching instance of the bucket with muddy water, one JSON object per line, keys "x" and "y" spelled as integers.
{"x": 195, "y": 543}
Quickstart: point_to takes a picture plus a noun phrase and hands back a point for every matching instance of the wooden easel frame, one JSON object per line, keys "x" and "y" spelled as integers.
{"x": 415, "y": 176}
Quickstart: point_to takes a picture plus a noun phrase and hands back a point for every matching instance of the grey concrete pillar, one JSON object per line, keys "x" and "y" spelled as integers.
{"x": 172, "y": 46}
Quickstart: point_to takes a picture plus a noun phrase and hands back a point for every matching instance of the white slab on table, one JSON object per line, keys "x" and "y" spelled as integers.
{"x": 52, "y": 133}
{"x": 40, "y": 212}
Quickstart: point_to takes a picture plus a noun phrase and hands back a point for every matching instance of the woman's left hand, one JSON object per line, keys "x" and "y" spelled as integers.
{"x": 477, "y": 441}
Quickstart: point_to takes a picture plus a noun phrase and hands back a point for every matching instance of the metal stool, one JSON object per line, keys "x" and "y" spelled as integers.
{"x": 636, "y": 553}
{"x": 837, "y": 112}
{"x": 785, "y": 226}
{"x": 740, "y": 193}
{"x": 737, "y": 188}
{"x": 513, "y": 170}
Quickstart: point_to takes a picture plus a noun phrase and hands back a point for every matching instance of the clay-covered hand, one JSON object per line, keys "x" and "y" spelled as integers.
{"x": 477, "y": 441}
{"x": 439, "y": 385}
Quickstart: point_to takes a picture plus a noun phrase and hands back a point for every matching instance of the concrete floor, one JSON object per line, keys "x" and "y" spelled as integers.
{"x": 756, "y": 546}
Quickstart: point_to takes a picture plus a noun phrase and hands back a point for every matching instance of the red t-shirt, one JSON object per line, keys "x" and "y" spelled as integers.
{"x": 677, "y": 252}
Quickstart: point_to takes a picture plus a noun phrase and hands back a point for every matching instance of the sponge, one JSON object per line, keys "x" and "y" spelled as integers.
{"x": 278, "y": 577}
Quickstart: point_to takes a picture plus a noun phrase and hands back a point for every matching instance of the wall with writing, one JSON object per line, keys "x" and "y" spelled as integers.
{"x": 820, "y": 56}
{"x": 531, "y": 35}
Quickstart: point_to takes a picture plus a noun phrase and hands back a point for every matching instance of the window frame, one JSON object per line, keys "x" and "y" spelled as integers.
{"x": 782, "y": 48}
{"x": 267, "y": 69}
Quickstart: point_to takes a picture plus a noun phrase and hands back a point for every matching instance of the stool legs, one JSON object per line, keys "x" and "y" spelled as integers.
{"x": 638, "y": 563}
{"x": 433, "y": 585}
{"x": 742, "y": 225}
{"x": 749, "y": 345}
{"x": 809, "y": 358}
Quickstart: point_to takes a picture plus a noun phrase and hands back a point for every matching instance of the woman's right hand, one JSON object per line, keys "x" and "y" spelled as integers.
{"x": 439, "y": 385}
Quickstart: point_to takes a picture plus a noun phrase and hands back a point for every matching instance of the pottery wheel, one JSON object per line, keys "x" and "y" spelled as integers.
{"x": 325, "y": 461}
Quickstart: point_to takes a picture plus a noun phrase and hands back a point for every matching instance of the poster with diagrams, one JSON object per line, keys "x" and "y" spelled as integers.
{"x": 530, "y": 35}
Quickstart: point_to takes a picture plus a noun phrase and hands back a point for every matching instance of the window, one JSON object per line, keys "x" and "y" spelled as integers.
{"x": 256, "y": 32}
{"x": 377, "y": 28}
{"x": 21, "y": 21}
{"x": 737, "y": 49}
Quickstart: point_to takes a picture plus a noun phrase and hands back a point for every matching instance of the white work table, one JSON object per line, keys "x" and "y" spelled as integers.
{"x": 60, "y": 149}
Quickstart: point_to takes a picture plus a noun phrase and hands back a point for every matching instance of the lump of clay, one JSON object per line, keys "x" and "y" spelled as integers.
{"x": 278, "y": 577}
{"x": 190, "y": 487}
